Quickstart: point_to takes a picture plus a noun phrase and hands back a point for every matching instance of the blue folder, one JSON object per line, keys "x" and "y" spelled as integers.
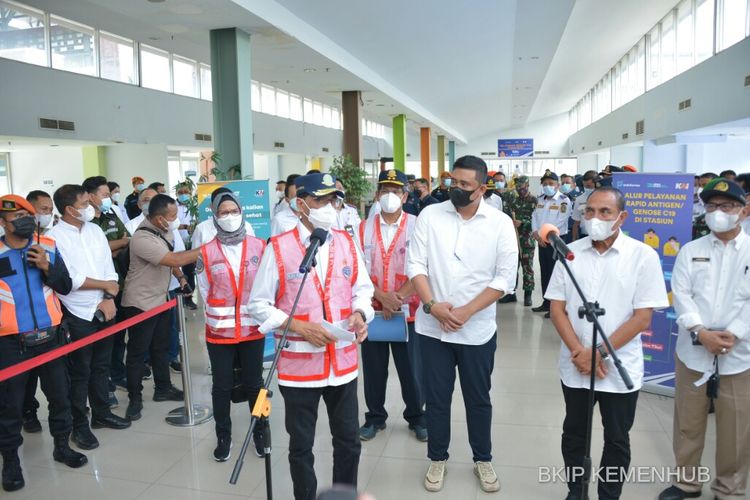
{"x": 392, "y": 330}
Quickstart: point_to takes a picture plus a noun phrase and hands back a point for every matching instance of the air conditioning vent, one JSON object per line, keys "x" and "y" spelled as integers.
{"x": 48, "y": 123}
{"x": 685, "y": 104}
{"x": 278, "y": 144}
{"x": 625, "y": 136}
{"x": 325, "y": 150}
{"x": 69, "y": 126}
{"x": 541, "y": 152}
{"x": 747, "y": 81}
{"x": 640, "y": 127}
{"x": 52, "y": 124}
{"x": 488, "y": 153}
{"x": 203, "y": 137}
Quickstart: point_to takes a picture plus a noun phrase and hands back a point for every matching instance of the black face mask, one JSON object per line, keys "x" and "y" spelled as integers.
{"x": 460, "y": 197}
{"x": 24, "y": 227}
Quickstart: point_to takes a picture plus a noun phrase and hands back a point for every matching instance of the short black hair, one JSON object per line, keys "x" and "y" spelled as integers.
{"x": 36, "y": 194}
{"x": 93, "y": 183}
{"x": 709, "y": 175}
{"x": 159, "y": 205}
{"x": 67, "y": 196}
{"x": 216, "y": 192}
{"x": 280, "y": 182}
{"x": 474, "y": 163}
{"x": 728, "y": 172}
{"x": 500, "y": 173}
{"x": 618, "y": 195}
{"x": 113, "y": 185}
{"x": 565, "y": 176}
{"x": 291, "y": 178}
{"x": 423, "y": 181}
{"x": 590, "y": 175}
{"x": 155, "y": 186}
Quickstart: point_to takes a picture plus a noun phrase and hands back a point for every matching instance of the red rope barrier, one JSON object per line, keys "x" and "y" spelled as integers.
{"x": 48, "y": 356}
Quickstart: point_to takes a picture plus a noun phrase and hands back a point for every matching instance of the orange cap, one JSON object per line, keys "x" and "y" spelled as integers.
{"x": 14, "y": 203}
{"x": 445, "y": 175}
{"x": 629, "y": 168}
{"x": 137, "y": 180}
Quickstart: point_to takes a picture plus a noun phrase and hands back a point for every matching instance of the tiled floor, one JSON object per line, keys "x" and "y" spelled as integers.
{"x": 155, "y": 461}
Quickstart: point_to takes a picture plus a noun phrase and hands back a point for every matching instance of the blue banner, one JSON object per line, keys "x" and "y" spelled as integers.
{"x": 254, "y": 198}
{"x": 660, "y": 214}
{"x": 514, "y": 148}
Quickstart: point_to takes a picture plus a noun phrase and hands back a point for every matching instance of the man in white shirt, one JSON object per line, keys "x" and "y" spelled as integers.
{"x": 711, "y": 292}
{"x": 282, "y": 201}
{"x": 589, "y": 184}
{"x": 144, "y": 197}
{"x": 184, "y": 197}
{"x": 347, "y": 216}
{"x": 490, "y": 196}
{"x": 462, "y": 258}
{"x": 625, "y": 277}
{"x": 88, "y": 308}
{"x": 206, "y": 231}
{"x": 314, "y": 364}
{"x": 286, "y": 218}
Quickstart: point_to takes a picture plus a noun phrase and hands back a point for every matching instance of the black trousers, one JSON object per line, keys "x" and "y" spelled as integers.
{"x": 618, "y": 413}
{"x": 546, "y": 266}
{"x": 301, "y": 414}
{"x": 30, "y": 403}
{"x": 189, "y": 271}
{"x": 55, "y": 385}
{"x": 152, "y": 336}
{"x": 406, "y": 356}
{"x": 222, "y": 358}
{"x": 475, "y": 364}
{"x": 89, "y": 370}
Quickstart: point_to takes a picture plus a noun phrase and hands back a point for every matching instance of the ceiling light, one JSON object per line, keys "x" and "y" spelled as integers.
{"x": 156, "y": 1}
{"x": 154, "y": 38}
{"x": 308, "y": 70}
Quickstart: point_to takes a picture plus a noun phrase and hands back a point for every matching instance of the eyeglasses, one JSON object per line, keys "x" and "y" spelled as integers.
{"x": 724, "y": 207}
{"x": 228, "y": 212}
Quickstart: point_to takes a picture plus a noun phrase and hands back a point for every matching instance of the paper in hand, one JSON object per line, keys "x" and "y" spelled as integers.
{"x": 339, "y": 330}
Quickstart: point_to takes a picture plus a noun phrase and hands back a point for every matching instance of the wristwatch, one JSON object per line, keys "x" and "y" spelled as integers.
{"x": 428, "y": 306}
{"x": 602, "y": 352}
{"x": 694, "y": 336}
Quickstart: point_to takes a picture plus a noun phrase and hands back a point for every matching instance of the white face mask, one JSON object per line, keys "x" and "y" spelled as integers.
{"x": 144, "y": 208}
{"x": 44, "y": 220}
{"x": 115, "y": 197}
{"x": 230, "y": 223}
{"x": 390, "y": 203}
{"x": 173, "y": 225}
{"x": 720, "y": 222}
{"x": 588, "y": 190}
{"x": 322, "y": 218}
{"x": 87, "y": 214}
{"x": 599, "y": 230}
{"x": 279, "y": 195}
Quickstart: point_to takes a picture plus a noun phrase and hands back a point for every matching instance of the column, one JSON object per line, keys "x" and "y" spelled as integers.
{"x": 351, "y": 107}
{"x": 441, "y": 154}
{"x": 94, "y": 162}
{"x": 399, "y": 142}
{"x": 230, "y": 82}
{"x": 451, "y": 153}
{"x": 424, "y": 143}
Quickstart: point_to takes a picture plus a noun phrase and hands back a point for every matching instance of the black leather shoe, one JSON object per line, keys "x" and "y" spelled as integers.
{"x": 675, "y": 493}
{"x": 542, "y": 308}
{"x": 31, "y": 423}
{"x": 63, "y": 453}
{"x": 171, "y": 394}
{"x": 547, "y": 315}
{"x": 223, "y": 450}
{"x": 84, "y": 438}
{"x": 12, "y": 473}
{"x": 110, "y": 421}
{"x": 507, "y": 299}
{"x": 527, "y": 299}
{"x": 134, "y": 410}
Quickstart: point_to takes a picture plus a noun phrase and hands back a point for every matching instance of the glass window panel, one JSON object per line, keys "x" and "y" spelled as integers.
{"x": 653, "y": 74}
{"x": 267, "y": 99}
{"x": 282, "y": 104}
{"x": 185, "y": 73}
{"x": 668, "y": 41}
{"x": 155, "y": 72}
{"x": 72, "y": 46}
{"x": 335, "y": 118}
{"x": 327, "y": 116}
{"x": 685, "y": 38}
{"x": 206, "y": 89}
{"x": 255, "y": 96}
{"x": 640, "y": 68}
{"x": 116, "y": 56}
{"x": 308, "y": 110}
{"x": 22, "y": 35}
{"x": 317, "y": 113}
{"x": 295, "y": 107}
{"x": 733, "y": 22}
{"x": 704, "y": 30}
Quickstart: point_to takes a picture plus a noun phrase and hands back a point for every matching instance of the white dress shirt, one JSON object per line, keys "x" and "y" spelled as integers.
{"x": 461, "y": 258}
{"x": 278, "y": 207}
{"x": 579, "y": 206}
{"x": 284, "y": 221}
{"x": 347, "y": 216}
{"x": 494, "y": 200}
{"x": 206, "y": 231}
{"x": 133, "y": 223}
{"x": 626, "y": 277}
{"x": 179, "y": 246}
{"x": 374, "y": 209}
{"x": 183, "y": 214}
{"x": 553, "y": 210}
{"x": 87, "y": 255}
{"x": 121, "y": 214}
{"x": 263, "y": 298}
{"x": 711, "y": 287}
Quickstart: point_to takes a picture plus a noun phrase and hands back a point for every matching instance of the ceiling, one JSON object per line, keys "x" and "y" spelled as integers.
{"x": 465, "y": 69}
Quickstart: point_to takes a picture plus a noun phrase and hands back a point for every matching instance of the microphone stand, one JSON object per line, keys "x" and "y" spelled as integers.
{"x": 591, "y": 311}
{"x": 262, "y": 408}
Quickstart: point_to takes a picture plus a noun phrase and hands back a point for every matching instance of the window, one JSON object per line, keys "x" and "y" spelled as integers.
{"x": 653, "y": 76}
{"x": 22, "y": 35}
{"x": 72, "y": 46}
{"x": 206, "y": 89}
{"x": 4, "y": 174}
{"x": 704, "y": 30}
{"x": 155, "y": 69}
{"x": 308, "y": 111}
{"x": 326, "y": 116}
{"x": 732, "y": 23}
{"x": 185, "y": 73}
{"x": 317, "y": 113}
{"x": 335, "y": 118}
{"x": 267, "y": 99}
{"x": 255, "y": 96}
{"x": 117, "y": 58}
{"x": 668, "y": 42}
{"x": 282, "y": 104}
{"x": 295, "y": 107}
{"x": 685, "y": 39}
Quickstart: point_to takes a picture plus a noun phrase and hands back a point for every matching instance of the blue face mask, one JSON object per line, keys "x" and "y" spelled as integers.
{"x": 293, "y": 204}
{"x": 549, "y": 190}
{"x": 106, "y": 205}
{"x": 140, "y": 187}
{"x": 448, "y": 182}
{"x": 566, "y": 188}
{"x": 183, "y": 198}
{"x": 499, "y": 184}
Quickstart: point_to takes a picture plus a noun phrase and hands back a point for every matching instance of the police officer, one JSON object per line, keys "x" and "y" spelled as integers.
{"x": 490, "y": 196}
{"x": 588, "y": 181}
{"x": 384, "y": 240}
{"x": 519, "y": 204}
{"x": 31, "y": 269}
{"x": 347, "y": 216}
{"x": 440, "y": 193}
{"x": 315, "y": 365}
{"x": 552, "y": 207}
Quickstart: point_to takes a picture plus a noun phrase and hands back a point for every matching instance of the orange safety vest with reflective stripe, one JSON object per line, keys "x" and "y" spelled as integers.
{"x": 26, "y": 303}
{"x": 227, "y": 311}
{"x": 301, "y": 361}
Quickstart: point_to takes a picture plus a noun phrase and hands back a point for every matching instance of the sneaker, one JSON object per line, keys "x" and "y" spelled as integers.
{"x": 170, "y": 394}
{"x": 223, "y": 450}
{"x": 147, "y": 372}
{"x": 675, "y": 493}
{"x": 544, "y": 307}
{"x": 112, "y": 400}
{"x": 134, "y": 410}
{"x": 176, "y": 366}
{"x": 420, "y": 432}
{"x": 433, "y": 480}
{"x": 259, "y": 447}
{"x": 31, "y": 423}
{"x": 367, "y": 431}
{"x": 488, "y": 480}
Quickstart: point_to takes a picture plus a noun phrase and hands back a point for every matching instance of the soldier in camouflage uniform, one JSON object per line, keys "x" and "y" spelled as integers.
{"x": 700, "y": 228}
{"x": 518, "y": 204}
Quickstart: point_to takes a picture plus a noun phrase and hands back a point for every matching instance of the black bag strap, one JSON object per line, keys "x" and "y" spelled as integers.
{"x": 157, "y": 233}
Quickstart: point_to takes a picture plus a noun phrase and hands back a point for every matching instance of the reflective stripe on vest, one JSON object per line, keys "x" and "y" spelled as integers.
{"x": 302, "y": 361}
{"x": 228, "y": 318}
{"x": 387, "y": 268}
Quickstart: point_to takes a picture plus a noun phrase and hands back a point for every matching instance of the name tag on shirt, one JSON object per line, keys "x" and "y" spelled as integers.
{"x": 701, "y": 259}
{"x": 554, "y": 207}
{"x": 540, "y": 205}
{"x": 217, "y": 267}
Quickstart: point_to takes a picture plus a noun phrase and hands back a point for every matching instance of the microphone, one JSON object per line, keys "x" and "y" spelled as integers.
{"x": 318, "y": 237}
{"x": 550, "y": 234}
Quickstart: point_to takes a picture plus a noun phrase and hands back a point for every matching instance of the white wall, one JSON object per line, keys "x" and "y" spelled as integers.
{"x": 46, "y": 168}
{"x": 127, "y": 160}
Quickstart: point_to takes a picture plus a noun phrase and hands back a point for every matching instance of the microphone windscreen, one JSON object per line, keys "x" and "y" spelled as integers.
{"x": 319, "y": 234}
{"x": 546, "y": 229}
